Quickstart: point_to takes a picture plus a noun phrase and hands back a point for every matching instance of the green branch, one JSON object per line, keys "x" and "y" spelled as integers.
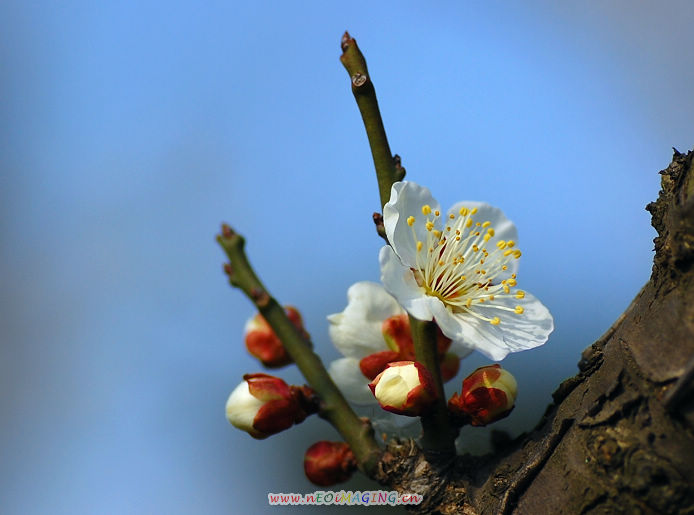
{"x": 438, "y": 435}
{"x": 437, "y": 432}
{"x": 356, "y": 432}
{"x": 388, "y": 168}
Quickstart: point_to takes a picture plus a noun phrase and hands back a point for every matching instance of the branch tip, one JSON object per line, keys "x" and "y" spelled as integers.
{"x": 346, "y": 41}
{"x": 227, "y": 231}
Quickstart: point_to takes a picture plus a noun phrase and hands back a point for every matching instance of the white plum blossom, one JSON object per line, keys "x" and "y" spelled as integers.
{"x": 459, "y": 269}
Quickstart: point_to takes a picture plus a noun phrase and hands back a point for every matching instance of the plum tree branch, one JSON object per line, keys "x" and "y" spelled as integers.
{"x": 356, "y": 432}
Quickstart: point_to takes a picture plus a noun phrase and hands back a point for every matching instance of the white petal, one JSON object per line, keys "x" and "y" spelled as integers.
{"x": 242, "y": 407}
{"x": 504, "y": 229}
{"x": 529, "y": 329}
{"x": 467, "y": 332}
{"x": 356, "y": 332}
{"x": 400, "y": 282}
{"x": 515, "y": 332}
{"x": 351, "y": 382}
{"x": 407, "y": 199}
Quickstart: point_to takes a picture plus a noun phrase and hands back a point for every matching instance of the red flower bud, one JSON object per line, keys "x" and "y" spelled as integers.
{"x": 328, "y": 463}
{"x": 405, "y": 388}
{"x": 263, "y": 405}
{"x": 488, "y": 395}
{"x": 263, "y": 343}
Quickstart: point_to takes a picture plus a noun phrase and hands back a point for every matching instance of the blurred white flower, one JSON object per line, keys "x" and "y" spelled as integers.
{"x": 459, "y": 269}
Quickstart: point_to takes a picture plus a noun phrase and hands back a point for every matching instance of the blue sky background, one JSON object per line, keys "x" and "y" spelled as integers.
{"x": 130, "y": 130}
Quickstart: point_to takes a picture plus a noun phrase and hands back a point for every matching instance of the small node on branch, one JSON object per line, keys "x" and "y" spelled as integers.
{"x": 399, "y": 169}
{"x": 228, "y": 269}
{"x": 359, "y": 79}
{"x": 260, "y": 297}
{"x": 380, "y": 227}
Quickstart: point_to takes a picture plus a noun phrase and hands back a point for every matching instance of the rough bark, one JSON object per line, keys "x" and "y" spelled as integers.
{"x": 619, "y": 437}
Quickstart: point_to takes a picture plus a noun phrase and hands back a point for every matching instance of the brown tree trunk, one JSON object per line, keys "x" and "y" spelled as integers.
{"x": 619, "y": 437}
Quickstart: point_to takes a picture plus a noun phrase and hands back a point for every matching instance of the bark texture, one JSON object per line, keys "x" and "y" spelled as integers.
{"x": 619, "y": 437}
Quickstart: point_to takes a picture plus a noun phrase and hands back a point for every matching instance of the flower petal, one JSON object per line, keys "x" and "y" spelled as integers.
{"x": 399, "y": 281}
{"x": 467, "y": 332}
{"x": 529, "y": 329}
{"x": 351, "y": 382}
{"x": 357, "y": 332}
{"x": 504, "y": 229}
{"x": 406, "y": 199}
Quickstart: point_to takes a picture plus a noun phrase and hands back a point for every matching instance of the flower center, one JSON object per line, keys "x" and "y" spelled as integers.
{"x": 455, "y": 265}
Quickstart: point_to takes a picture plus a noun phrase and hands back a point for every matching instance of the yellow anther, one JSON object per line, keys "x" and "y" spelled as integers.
{"x": 520, "y": 294}
{"x": 486, "y": 224}
{"x": 513, "y": 275}
{"x": 475, "y": 248}
{"x": 468, "y": 303}
{"x": 490, "y": 232}
{"x": 510, "y": 243}
{"x": 419, "y": 246}
{"x": 495, "y": 321}
{"x": 448, "y": 229}
{"x": 457, "y": 238}
{"x": 516, "y": 253}
{"x": 473, "y": 211}
{"x": 511, "y": 282}
{"x": 429, "y": 226}
{"x": 451, "y": 216}
{"x": 477, "y": 224}
{"x": 491, "y": 297}
{"x": 426, "y": 209}
{"x": 506, "y": 289}
{"x": 487, "y": 237}
{"x": 468, "y": 223}
{"x": 519, "y": 310}
{"x": 508, "y": 252}
{"x": 504, "y": 267}
{"x": 477, "y": 233}
{"x": 462, "y": 278}
{"x": 481, "y": 301}
{"x": 484, "y": 272}
{"x": 463, "y": 211}
{"x": 437, "y": 233}
{"x": 410, "y": 221}
{"x": 501, "y": 244}
{"x": 441, "y": 262}
{"x": 457, "y": 232}
{"x": 437, "y": 212}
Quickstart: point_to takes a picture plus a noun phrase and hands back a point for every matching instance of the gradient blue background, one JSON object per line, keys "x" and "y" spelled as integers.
{"x": 130, "y": 130}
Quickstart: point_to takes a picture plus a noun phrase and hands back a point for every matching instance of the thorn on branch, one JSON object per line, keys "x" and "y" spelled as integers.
{"x": 260, "y": 297}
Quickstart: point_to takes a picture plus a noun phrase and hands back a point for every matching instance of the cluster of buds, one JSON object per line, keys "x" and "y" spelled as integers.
{"x": 488, "y": 395}
{"x": 329, "y": 463}
{"x": 263, "y": 343}
{"x": 263, "y": 405}
{"x": 406, "y": 388}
